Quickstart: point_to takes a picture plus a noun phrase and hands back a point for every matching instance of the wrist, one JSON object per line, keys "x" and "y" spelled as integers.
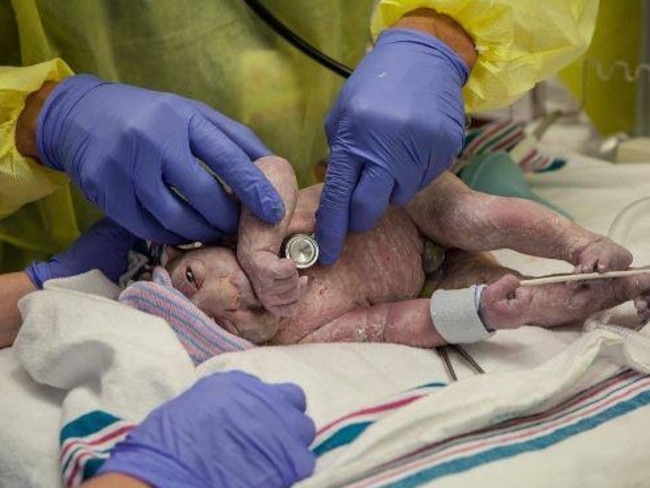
{"x": 150, "y": 465}
{"x": 38, "y": 273}
{"x": 444, "y": 28}
{"x": 111, "y": 480}
{"x": 53, "y": 117}
{"x": 28, "y": 119}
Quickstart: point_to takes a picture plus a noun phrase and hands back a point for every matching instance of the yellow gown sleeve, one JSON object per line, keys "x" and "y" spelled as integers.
{"x": 23, "y": 180}
{"x": 519, "y": 42}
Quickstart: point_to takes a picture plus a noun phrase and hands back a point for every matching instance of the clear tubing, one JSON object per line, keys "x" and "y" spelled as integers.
{"x": 623, "y": 225}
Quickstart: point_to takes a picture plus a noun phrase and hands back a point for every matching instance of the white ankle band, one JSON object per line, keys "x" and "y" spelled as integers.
{"x": 455, "y": 315}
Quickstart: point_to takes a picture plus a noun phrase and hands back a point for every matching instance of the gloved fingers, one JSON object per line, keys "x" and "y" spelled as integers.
{"x": 340, "y": 109}
{"x": 173, "y": 213}
{"x": 332, "y": 122}
{"x": 293, "y": 394}
{"x": 236, "y": 169}
{"x": 300, "y": 425}
{"x": 110, "y": 229}
{"x": 295, "y": 432}
{"x": 204, "y": 193}
{"x": 402, "y": 194}
{"x": 149, "y": 228}
{"x": 240, "y": 134}
{"x": 38, "y": 273}
{"x": 333, "y": 215}
{"x": 370, "y": 199}
{"x": 304, "y": 463}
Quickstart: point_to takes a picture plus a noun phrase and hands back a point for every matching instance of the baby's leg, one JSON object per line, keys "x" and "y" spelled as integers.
{"x": 408, "y": 322}
{"x": 453, "y": 215}
{"x": 461, "y": 269}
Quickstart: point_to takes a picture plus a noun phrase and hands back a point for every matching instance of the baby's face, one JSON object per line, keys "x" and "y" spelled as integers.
{"x": 213, "y": 280}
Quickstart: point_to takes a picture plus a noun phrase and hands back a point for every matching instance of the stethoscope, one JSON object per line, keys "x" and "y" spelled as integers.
{"x": 295, "y": 40}
{"x": 301, "y": 248}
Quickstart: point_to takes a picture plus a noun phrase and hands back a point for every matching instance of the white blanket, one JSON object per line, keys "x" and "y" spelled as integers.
{"x": 115, "y": 364}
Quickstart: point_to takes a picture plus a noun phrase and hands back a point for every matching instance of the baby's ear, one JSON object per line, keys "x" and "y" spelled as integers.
{"x": 169, "y": 254}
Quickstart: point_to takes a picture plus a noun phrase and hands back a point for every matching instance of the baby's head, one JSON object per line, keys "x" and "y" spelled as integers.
{"x": 212, "y": 279}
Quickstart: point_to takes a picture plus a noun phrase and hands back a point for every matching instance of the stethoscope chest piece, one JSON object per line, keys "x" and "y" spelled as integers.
{"x": 302, "y": 249}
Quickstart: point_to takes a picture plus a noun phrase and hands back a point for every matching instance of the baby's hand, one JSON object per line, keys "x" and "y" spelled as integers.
{"x": 504, "y": 304}
{"x": 276, "y": 283}
{"x": 602, "y": 254}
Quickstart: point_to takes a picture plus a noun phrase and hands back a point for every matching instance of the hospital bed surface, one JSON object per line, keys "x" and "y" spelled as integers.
{"x": 558, "y": 408}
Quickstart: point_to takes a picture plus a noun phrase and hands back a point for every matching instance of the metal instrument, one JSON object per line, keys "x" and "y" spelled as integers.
{"x": 302, "y": 249}
{"x": 443, "y": 352}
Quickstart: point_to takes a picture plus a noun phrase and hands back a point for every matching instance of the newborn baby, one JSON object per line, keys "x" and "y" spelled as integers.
{"x": 371, "y": 293}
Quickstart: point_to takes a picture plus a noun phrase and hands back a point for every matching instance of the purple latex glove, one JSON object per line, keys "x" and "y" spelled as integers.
{"x": 104, "y": 246}
{"x": 396, "y": 125}
{"x": 229, "y": 429}
{"x": 132, "y": 151}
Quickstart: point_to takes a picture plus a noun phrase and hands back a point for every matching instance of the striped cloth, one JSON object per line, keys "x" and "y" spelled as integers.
{"x": 86, "y": 440}
{"x": 346, "y": 429}
{"x": 509, "y": 135}
{"x": 201, "y": 336}
{"x": 86, "y": 443}
{"x": 592, "y": 407}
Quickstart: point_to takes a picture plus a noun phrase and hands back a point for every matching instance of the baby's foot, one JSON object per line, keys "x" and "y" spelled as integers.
{"x": 504, "y": 304}
{"x": 639, "y": 287}
{"x": 600, "y": 255}
{"x": 276, "y": 283}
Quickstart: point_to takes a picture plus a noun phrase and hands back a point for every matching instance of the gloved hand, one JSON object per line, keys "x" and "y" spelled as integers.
{"x": 396, "y": 125}
{"x": 104, "y": 246}
{"x": 229, "y": 429}
{"x": 131, "y": 151}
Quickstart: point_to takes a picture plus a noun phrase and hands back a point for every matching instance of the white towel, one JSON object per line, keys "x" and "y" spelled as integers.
{"x": 115, "y": 364}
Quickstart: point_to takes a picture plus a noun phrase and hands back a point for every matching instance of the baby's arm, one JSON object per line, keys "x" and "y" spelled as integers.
{"x": 452, "y": 214}
{"x": 503, "y": 305}
{"x": 13, "y": 286}
{"x": 275, "y": 280}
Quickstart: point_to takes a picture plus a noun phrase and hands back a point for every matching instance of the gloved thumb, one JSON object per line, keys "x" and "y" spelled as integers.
{"x": 234, "y": 167}
{"x": 333, "y": 215}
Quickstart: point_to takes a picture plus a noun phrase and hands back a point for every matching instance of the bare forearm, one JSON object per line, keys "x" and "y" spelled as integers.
{"x": 442, "y": 27}
{"x": 255, "y": 235}
{"x": 114, "y": 480}
{"x": 531, "y": 228}
{"x": 13, "y": 287}
{"x": 453, "y": 215}
{"x": 26, "y": 126}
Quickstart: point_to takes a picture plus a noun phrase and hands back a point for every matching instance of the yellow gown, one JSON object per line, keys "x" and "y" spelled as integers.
{"x": 608, "y": 98}
{"x": 218, "y": 52}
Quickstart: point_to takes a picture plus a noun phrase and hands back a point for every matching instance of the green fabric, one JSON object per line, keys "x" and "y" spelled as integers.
{"x": 215, "y": 51}
{"x": 9, "y": 51}
{"x": 610, "y": 103}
